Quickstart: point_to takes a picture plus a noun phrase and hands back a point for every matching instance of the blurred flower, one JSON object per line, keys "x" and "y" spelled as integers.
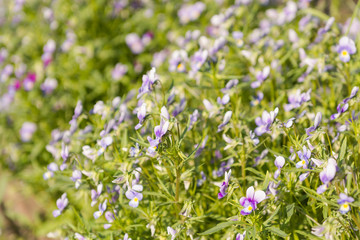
{"x": 264, "y": 123}
{"x": 345, "y": 48}
{"x": 61, "y": 203}
{"x": 172, "y": 232}
{"x": 27, "y": 130}
{"x": 102, "y": 208}
{"x": 119, "y": 71}
{"x": 49, "y": 85}
{"x": 327, "y": 175}
{"x": 344, "y": 203}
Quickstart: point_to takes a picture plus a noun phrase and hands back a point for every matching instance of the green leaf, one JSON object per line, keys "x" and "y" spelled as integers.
{"x": 218, "y": 227}
{"x": 272, "y": 215}
{"x": 343, "y": 149}
{"x": 277, "y": 231}
{"x": 289, "y": 211}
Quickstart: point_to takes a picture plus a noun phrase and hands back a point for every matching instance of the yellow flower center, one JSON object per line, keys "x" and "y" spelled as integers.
{"x": 250, "y": 208}
{"x": 136, "y": 199}
{"x": 179, "y": 67}
{"x": 303, "y": 162}
{"x": 344, "y": 52}
{"x": 345, "y": 205}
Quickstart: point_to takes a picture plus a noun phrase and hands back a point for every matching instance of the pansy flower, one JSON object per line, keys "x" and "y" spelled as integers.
{"x": 345, "y": 48}
{"x": 251, "y": 200}
{"x": 344, "y": 203}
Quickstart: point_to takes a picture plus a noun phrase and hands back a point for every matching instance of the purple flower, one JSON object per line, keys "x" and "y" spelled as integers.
{"x": 104, "y": 143}
{"x": 304, "y": 156}
{"x": 180, "y": 107}
{"x": 61, "y": 203}
{"x": 279, "y": 163}
{"x": 222, "y": 193}
{"x": 327, "y": 175}
{"x": 110, "y": 218}
{"x": 345, "y": 48}
{"x": 240, "y": 236}
{"x": 324, "y": 30}
{"x": 141, "y": 114}
{"x": 353, "y": 93}
{"x": 226, "y": 120}
{"x": 297, "y": 99}
{"x": 344, "y": 203}
{"x": 147, "y": 81}
{"x": 49, "y": 85}
{"x": 229, "y": 85}
{"x": 134, "y": 196}
{"x": 178, "y": 60}
{"x": 224, "y": 100}
{"x": 340, "y": 110}
{"x": 251, "y": 200}
{"x": 102, "y": 208}
{"x": 264, "y": 123}
{"x": 29, "y": 81}
{"x": 27, "y": 130}
{"x": 257, "y": 99}
{"x": 64, "y": 151}
{"x": 198, "y": 59}
{"x": 126, "y": 237}
{"x": 52, "y": 167}
{"x": 78, "y": 109}
{"x": 316, "y": 124}
{"x": 193, "y": 118}
{"x": 135, "y": 43}
{"x": 161, "y": 129}
{"x": 172, "y": 232}
{"x": 78, "y": 236}
{"x": 76, "y": 177}
{"x": 261, "y": 76}
{"x": 95, "y": 194}
{"x": 119, "y": 71}
{"x": 188, "y": 12}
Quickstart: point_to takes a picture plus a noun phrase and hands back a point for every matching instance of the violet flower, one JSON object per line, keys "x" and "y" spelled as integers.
{"x": 61, "y": 203}
{"x": 226, "y": 120}
{"x": 240, "y": 236}
{"x": 251, "y": 200}
{"x": 327, "y": 175}
{"x": 49, "y": 85}
{"x": 345, "y": 48}
{"x": 224, "y": 100}
{"x": 76, "y": 177}
{"x": 304, "y": 156}
{"x": 317, "y": 122}
{"x": 95, "y": 194}
{"x": 134, "y": 196}
{"x": 264, "y": 123}
{"x": 141, "y": 114}
{"x": 222, "y": 193}
{"x": 172, "y": 232}
{"x": 261, "y": 76}
{"x": 52, "y": 167}
{"x": 147, "y": 81}
{"x": 119, "y": 71}
{"x": 279, "y": 163}
{"x": 297, "y": 99}
{"x": 110, "y": 218}
{"x": 27, "y": 130}
{"x": 135, "y": 43}
{"x": 344, "y": 203}
{"x": 102, "y": 209}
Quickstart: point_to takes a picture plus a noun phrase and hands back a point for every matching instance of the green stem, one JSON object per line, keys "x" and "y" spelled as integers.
{"x": 177, "y": 191}
{"x": 352, "y": 17}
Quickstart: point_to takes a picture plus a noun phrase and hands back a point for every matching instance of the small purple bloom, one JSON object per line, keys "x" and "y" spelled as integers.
{"x": 102, "y": 209}
{"x": 240, "y": 236}
{"x": 222, "y": 193}
{"x": 251, "y": 200}
{"x": 119, "y": 71}
{"x": 27, "y": 130}
{"x": 304, "y": 156}
{"x": 134, "y": 196}
{"x": 317, "y": 121}
{"x": 172, "y": 232}
{"x": 141, "y": 114}
{"x": 261, "y": 76}
{"x": 49, "y": 85}
{"x": 344, "y": 203}
{"x": 76, "y": 177}
{"x": 327, "y": 175}
{"x": 226, "y": 120}
{"x": 345, "y": 48}
{"x": 61, "y": 203}
{"x": 264, "y": 123}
